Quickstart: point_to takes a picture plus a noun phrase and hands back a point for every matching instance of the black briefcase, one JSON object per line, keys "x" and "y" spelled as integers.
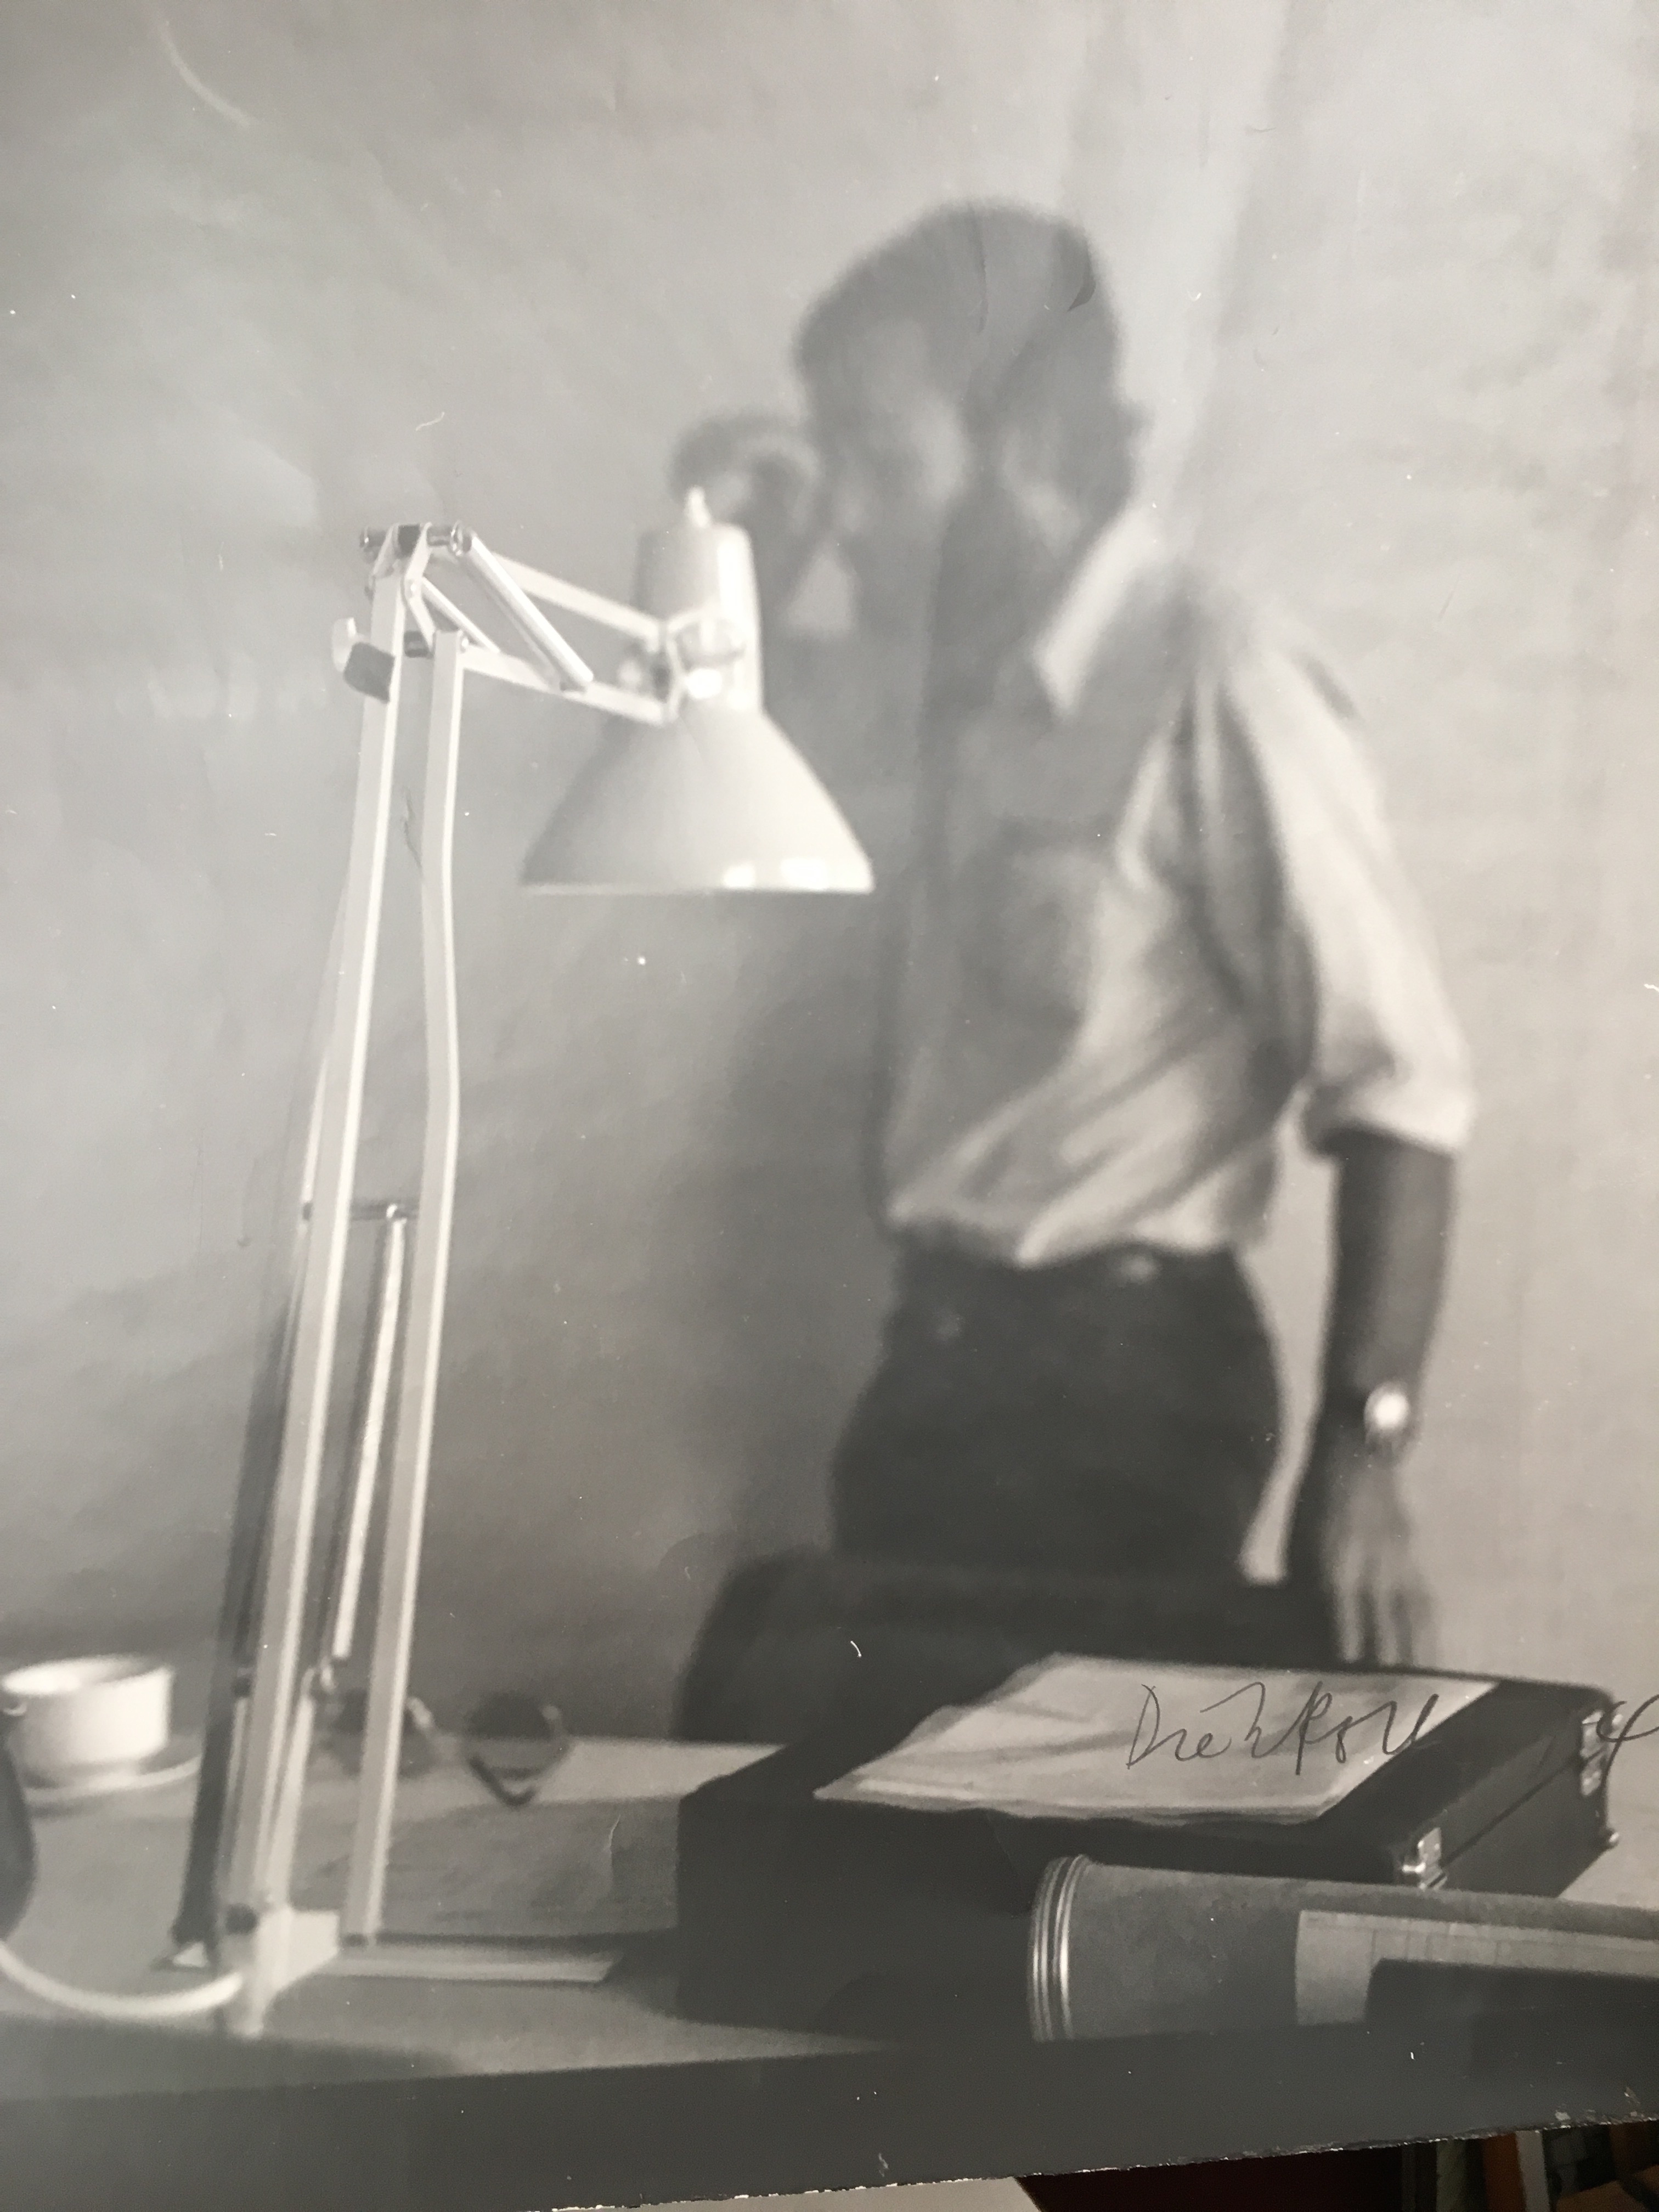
{"x": 867, "y": 1918}
{"x": 810, "y": 1640}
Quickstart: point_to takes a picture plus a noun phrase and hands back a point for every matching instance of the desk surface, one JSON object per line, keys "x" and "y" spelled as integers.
{"x": 107, "y": 1892}
{"x": 108, "y": 1889}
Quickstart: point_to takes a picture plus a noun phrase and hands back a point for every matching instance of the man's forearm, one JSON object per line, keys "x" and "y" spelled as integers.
{"x": 1394, "y": 1204}
{"x": 1394, "y": 1214}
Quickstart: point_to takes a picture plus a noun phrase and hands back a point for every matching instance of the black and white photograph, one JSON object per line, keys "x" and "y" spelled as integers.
{"x": 830, "y": 977}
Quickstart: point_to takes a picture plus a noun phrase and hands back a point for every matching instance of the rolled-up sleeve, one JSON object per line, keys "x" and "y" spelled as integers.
{"x": 1312, "y": 912}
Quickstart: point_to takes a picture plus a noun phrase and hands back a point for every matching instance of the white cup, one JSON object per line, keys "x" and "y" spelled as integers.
{"x": 81, "y": 1716}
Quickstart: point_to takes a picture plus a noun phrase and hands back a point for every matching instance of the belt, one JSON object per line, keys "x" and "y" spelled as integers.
{"x": 945, "y": 1292}
{"x": 938, "y": 1271}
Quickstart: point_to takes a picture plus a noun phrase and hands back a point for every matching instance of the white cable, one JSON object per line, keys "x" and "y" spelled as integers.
{"x": 95, "y": 2004}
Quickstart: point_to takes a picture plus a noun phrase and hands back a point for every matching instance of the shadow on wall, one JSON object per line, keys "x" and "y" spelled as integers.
{"x": 719, "y": 1280}
{"x": 427, "y": 277}
{"x": 321, "y": 278}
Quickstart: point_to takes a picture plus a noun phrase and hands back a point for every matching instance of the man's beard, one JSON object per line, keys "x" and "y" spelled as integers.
{"x": 993, "y": 583}
{"x": 894, "y": 596}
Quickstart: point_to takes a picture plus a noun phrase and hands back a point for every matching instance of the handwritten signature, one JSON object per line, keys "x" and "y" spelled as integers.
{"x": 1312, "y": 1727}
{"x": 1306, "y": 1732}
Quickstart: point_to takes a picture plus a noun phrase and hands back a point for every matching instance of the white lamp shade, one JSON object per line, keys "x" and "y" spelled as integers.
{"x": 718, "y": 801}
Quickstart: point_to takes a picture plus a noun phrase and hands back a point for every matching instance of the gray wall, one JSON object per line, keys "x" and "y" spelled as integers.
{"x": 1384, "y": 267}
{"x": 1431, "y": 425}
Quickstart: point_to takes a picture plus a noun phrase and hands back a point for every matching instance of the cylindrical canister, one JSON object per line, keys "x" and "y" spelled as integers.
{"x": 1146, "y": 1951}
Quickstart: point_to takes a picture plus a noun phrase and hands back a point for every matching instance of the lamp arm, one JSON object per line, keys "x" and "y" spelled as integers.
{"x": 676, "y": 652}
{"x": 516, "y": 603}
{"x": 441, "y": 604}
{"x": 513, "y": 589}
{"x": 590, "y": 607}
{"x": 485, "y": 658}
{"x": 409, "y": 547}
{"x": 516, "y": 591}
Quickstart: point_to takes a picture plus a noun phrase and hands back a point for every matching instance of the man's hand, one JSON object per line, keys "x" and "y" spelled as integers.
{"x": 1352, "y": 1534}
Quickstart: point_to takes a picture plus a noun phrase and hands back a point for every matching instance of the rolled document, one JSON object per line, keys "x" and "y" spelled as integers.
{"x": 1146, "y": 1951}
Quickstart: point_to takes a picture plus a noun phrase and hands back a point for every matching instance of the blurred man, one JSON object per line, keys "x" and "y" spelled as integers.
{"x": 1152, "y": 910}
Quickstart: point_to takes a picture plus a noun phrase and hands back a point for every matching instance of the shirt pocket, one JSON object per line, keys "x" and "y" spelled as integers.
{"x": 1029, "y": 912}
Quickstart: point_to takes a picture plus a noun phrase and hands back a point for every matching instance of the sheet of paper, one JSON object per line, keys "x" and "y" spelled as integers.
{"x": 1118, "y": 1739}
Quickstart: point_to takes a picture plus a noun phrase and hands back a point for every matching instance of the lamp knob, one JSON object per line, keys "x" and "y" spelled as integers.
{"x": 365, "y": 667}
{"x": 696, "y": 508}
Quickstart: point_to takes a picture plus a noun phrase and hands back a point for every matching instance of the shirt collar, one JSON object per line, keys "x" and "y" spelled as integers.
{"x": 1063, "y": 652}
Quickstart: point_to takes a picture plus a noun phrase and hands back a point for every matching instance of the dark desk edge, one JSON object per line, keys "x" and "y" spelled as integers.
{"x": 656, "y": 2135}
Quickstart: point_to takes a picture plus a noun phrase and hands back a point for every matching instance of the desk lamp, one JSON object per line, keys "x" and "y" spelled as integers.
{"x": 691, "y": 789}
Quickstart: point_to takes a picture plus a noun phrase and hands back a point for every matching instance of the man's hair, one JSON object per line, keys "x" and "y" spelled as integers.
{"x": 1010, "y": 309}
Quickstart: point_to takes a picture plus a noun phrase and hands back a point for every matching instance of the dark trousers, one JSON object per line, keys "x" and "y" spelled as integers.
{"x": 1114, "y": 1414}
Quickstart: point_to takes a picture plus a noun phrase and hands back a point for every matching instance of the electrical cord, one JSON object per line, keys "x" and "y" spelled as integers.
{"x": 124, "y": 2011}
